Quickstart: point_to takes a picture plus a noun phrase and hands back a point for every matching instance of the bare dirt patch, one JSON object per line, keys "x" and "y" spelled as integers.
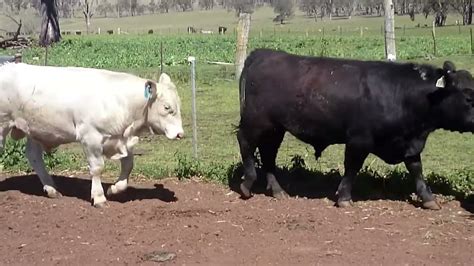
{"x": 189, "y": 222}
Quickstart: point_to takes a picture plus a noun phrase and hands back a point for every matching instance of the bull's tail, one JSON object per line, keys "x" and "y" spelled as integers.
{"x": 251, "y": 58}
{"x": 243, "y": 77}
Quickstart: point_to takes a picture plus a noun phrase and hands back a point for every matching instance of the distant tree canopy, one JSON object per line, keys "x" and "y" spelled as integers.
{"x": 284, "y": 9}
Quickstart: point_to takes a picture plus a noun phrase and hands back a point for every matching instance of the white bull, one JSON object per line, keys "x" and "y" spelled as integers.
{"x": 103, "y": 110}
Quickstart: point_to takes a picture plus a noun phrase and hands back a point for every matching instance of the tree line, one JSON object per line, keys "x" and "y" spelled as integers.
{"x": 284, "y": 9}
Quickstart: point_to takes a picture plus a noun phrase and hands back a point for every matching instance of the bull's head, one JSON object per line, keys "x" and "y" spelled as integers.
{"x": 164, "y": 108}
{"x": 454, "y": 99}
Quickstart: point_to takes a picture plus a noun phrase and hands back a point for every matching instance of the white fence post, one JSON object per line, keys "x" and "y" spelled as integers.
{"x": 192, "y": 60}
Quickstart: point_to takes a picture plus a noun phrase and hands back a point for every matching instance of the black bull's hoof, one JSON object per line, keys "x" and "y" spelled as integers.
{"x": 431, "y": 205}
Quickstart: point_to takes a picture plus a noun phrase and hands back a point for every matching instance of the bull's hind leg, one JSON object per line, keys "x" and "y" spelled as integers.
{"x": 122, "y": 182}
{"x": 414, "y": 166}
{"x": 268, "y": 151}
{"x": 34, "y": 153}
{"x": 247, "y": 150}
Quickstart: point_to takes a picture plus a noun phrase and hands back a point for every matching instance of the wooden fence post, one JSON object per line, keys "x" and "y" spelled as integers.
{"x": 243, "y": 29}
{"x": 472, "y": 45}
{"x": 18, "y": 58}
{"x": 433, "y": 33}
{"x": 390, "y": 50}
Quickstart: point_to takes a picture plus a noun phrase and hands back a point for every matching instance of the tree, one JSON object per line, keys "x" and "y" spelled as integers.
{"x": 184, "y": 5}
{"x": 88, "y": 11}
{"x": 105, "y": 8}
{"x": 16, "y": 5}
{"x": 166, "y": 5}
{"x": 463, "y": 7}
{"x": 133, "y": 7}
{"x": 66, "y": 7}
{"x": 310, "y": 7}
{"x": 152, "y": 6}
{"x": 284, "y": 9}
{"x": 123, "y": 6}
{"x": 206, "y": 4}
{"x": 50, "y": 31}
{"x": 241, "y": 6}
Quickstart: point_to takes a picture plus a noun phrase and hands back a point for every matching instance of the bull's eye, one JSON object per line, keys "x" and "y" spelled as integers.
{"x": 167, "y": 107}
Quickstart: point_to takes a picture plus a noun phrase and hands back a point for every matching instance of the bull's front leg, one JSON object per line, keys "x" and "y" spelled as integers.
{"x": 354, "y": 158}
{"x": 34, "y": 154}
{"x": 415, "y": 168}
{"x": 94, "y": 153}
{"x": 122, "y": 182}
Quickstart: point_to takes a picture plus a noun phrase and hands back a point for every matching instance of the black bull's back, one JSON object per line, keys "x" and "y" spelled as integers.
{"x": 372, "y": 107}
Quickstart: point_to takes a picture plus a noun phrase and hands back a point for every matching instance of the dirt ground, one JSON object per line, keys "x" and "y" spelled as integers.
{"x": 194, "y": 222}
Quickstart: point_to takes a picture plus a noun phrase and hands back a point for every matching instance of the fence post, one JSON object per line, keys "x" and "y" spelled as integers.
{"x": 161, "y": 57}
{"x": 46, "y": 56}
{"x": 18, "y": 58}
{"x": 242, "y": 39}
{"x": 472, "y": 45}
{"x": 390, "y": 49}
{"x": 433, "y": 33}
{"x": 192, "y": 60}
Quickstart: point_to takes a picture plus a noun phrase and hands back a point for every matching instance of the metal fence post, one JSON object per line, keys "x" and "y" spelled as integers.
{"x": 46, "y": 56}
{"x": 161, "y": 56}
{"x": 192, "y": 60}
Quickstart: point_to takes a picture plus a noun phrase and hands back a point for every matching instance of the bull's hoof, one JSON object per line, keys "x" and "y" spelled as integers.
{"x": 99, "y": 201}
{"x": 112, "y": 190}
{"x": 344, "y": 203}
{"x": 431, "y": 205}
{"x": 52, "y": 192}
{"x": 281, "y": 195}
{"x": 245, "y": 191}
{"x": 100, "y": 205}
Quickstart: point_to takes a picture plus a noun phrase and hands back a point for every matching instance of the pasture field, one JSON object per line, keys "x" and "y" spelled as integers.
{"x": 446, "y": 159}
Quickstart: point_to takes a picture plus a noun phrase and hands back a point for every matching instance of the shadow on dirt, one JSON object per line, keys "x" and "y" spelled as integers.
{"x": 301, "y": 182}
{"x": 80, "y": 188}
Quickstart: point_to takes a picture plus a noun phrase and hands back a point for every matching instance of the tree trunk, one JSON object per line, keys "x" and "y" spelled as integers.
{"x": 50, "y": 31}
{"x": 467, "y": 13}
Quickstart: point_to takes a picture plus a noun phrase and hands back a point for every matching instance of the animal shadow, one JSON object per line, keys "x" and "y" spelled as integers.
{"x": 296, "y": 182}
{"x": 314, "y": 184}
{"x": 80, "y": 188}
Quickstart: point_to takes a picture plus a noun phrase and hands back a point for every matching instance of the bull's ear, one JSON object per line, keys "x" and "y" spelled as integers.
{"x": 150, "y": 91}
{"x": 449, "y": 67}
{"x": 165, "y": 79}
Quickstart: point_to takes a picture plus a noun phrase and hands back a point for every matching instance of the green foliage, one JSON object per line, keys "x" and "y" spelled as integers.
{"x": 143, "y": 51}
{"x": 13, "y": 157}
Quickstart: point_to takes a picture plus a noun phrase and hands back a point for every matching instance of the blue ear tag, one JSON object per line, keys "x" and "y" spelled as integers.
{"x": 147, "y": 92}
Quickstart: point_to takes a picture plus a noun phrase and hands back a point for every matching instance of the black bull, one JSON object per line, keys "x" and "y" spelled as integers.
{"x": 387, "y": 109}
